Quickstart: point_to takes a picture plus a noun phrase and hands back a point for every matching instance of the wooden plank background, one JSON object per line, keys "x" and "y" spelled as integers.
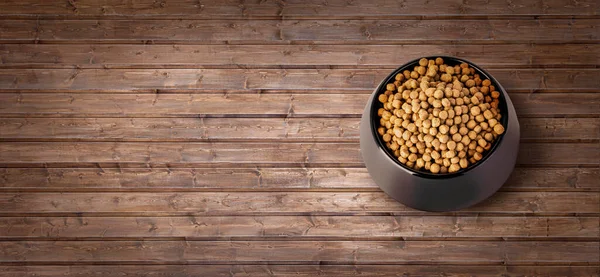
{"x": 220, "y": 138}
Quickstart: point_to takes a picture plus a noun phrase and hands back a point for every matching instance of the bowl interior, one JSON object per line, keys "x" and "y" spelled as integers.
{"x": 449, "y": 61}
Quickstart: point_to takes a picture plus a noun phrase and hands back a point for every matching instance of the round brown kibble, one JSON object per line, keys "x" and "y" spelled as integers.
{"x": 472, "y": 135}
{"x": 482, "y": 142}
{"x": 399, "y": 77}
{"x": 488, "y": 114}
{"x": 479, "y": 149}
{"x": 463, "y": 163}
{"x": 446, "y": 77}
{"x": 451, "y": 145}
{"x": 426, "y": 157}
{"x": 423, "y": 114}
{"x": 383, "y": 98}
{"x": 457, "y": 137}
{"x": 433, "y": 131}
{"x": 479, "y": 118}
{"x": 443, "y": 115}
{"x": 453, "y": 129}
{"x": 446, "y": 102}
{"x": 477, "y": 156}
{"x": 435, "y": 168}
{"x": 420, "y": 163}
{"x": 454, "y": 168}
{"x": 412, "y": 127}
{"x": 499, "y": 129}
{"x": 444, "y": 138}
{"x": 471, "y": 124}
{"x": 387, "y": 137}
{"x": 443, "y": 129}
{"x": 438, "y": 94}
{"x": 435, "y": 155}
{"x": 436, "y": 143}
{"x": 470, "y": 83}
{"x": 412, "y": 157}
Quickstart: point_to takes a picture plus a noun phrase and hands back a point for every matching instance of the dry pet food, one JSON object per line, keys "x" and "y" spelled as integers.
{"x": 439, "y": 118}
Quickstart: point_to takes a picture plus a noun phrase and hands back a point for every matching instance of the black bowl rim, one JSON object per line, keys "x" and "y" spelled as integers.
{"x": 375, "y": 105}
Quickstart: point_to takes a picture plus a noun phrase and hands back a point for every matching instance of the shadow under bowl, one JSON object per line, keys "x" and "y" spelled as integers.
{"x": 439, "y": 192}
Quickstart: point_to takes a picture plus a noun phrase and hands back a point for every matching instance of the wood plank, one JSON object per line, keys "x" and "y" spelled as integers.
{"x": 280, "y": 203}
{"x": 293, "y": 56}
{"x": 391, "y": 252}
{"x": 258, "y": 9}
{"x": 199, "y": 106}
{"x": 18, "y": 29}
{"x": 304, "y": 31}
{"x": 186, "y": 179}
{"x": 131, "y": 80}
{"x": 268, "y": 270}
{"x": 297, "y": 227}
{"x": 249, "y": 129}
{"x": 19, "y": 154}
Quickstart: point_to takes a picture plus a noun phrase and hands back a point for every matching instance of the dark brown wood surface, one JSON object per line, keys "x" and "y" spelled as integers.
{"x": 220, "y": 138}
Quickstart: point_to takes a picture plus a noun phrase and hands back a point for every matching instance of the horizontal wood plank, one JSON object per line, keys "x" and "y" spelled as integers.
{"x": 156, "y": 179}
{"x": 274, "y": 9}
{"x": 297, "y": 227}
{"x": 248, "y": 129}
{"x": 392, "y": 252}
{"x": 18, "y": 154}
{"x": 301, "y": 31}
{"x": 292, "y": 56}
{"x": 280, "y": 203}
{"x": 194, "y": 80}
{"x": 254, "y": 105}
{"x": 269, "y": 270}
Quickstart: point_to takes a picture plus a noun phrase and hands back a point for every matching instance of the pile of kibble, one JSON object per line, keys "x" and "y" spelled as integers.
{"x": 439, "y": 118}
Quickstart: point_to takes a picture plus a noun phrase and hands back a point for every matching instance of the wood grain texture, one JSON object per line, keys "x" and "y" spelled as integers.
{"x": 220, "y": 138}
{"x": 19, "y": 154}
{"x": 190, "y": 179}
{"x": 269, "y": 270}
{"x": 249, "y": 129}
{"x": 362, "y": 80}
{"x": 280, "y": 203}
{"x": 298, "y": 228}
{"x": 391, "y": 252}
{"x": 292, "y": 56}
{"x": 291, "y": 9}
{"x": 301, "y": 31}
{"x": 199, "y": 106}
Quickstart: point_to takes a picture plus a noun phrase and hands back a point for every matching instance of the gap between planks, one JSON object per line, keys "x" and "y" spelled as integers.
{"x": 159, "y": 189}
{"x": 307, "y": 238}
{"x": 296, "y": 17}
{"x": 112, "y": 165}
{"x": 296, "y": 42}
{"x": 275, "y": 262}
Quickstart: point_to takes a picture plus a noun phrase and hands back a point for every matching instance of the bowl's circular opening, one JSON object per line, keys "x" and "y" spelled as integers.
{"x": 375, "y": 105}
